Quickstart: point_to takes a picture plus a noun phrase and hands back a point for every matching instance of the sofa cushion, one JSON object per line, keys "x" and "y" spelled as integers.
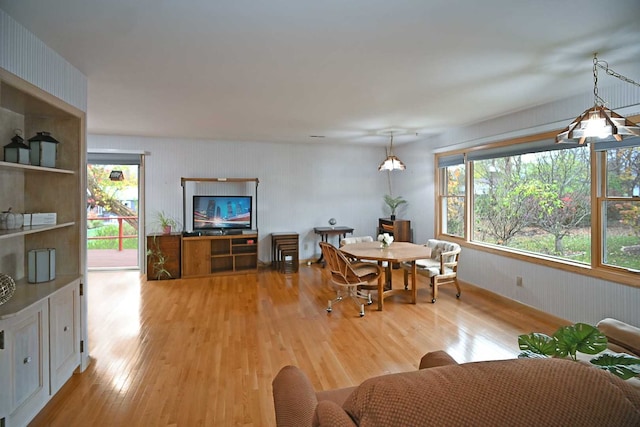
{"x": 329, "y": 413}
{"x": 508, "y": 392}
{"x": 336, "y": 395}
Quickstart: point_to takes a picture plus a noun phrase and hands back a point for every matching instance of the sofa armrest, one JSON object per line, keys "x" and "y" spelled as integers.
{"x": 294, "y": 398}
{"x": 435, "y": 359}
{"x": 622, "y": 337}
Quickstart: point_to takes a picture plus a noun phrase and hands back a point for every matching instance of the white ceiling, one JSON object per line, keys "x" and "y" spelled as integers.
{"x": 283, "y": 70}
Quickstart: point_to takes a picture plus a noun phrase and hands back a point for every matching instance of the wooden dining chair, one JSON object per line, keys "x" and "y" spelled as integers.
{"x": 441, "y": 268}
{"x": 349, "y": 277}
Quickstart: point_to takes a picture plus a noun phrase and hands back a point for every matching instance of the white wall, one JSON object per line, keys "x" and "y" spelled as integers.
{"x": 26, "y": 56}
{"x": 301, "y": 186}
{"x": 571, "y": 296}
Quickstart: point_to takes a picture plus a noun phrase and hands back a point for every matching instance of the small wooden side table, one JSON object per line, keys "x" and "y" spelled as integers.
{"x": 325, "y": 232}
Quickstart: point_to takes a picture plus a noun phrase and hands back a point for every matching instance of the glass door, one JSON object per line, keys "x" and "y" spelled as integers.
{"x": 113, "y": 204}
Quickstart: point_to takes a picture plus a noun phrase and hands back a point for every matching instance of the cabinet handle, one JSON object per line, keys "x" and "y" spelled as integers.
{"x": 27, "y": 360}
{"x": 66, "y": 328}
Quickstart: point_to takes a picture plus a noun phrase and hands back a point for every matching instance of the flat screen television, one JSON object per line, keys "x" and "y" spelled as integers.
{"x": 222, "y": 213}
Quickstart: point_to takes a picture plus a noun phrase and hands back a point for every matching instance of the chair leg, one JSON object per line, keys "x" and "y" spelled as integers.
{"x": 367, "y": 296}
{"x": 406, "y": 280}
{"x": 434, "y": 290}
{"x": 353, "y": 295}
{"x": 331, "y": 301}
{"x": 455, "y": 281}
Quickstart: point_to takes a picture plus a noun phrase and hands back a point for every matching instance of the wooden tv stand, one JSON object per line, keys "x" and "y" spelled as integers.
{"x": 219, "y": 255}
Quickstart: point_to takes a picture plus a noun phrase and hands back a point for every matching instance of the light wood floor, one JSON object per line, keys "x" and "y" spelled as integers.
{"x": 204, "y": 352}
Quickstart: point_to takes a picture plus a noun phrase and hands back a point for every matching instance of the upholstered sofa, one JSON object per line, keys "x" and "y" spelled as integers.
{"x": 498, "y": 393}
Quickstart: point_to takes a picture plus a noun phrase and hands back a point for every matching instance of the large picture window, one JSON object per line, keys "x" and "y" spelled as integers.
{"x": 536, "y": 197}
{"x": 620, "y": 204}
{"x": 537, "y": 202}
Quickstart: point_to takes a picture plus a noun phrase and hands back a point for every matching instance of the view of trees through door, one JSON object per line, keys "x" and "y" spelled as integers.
{"x": 112, "y": 216}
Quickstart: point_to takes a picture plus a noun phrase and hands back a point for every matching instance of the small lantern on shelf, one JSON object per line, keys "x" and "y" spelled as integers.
{"x": 44, "y": 150}
{"x": 17, "y": 151}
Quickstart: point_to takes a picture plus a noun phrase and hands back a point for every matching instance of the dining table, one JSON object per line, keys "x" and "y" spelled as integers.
{"x": 394, "y": 253}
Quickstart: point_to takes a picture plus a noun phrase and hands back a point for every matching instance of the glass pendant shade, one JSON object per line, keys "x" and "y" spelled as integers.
{"x": 598, "y": 122}
{"x": 392, "y": 163}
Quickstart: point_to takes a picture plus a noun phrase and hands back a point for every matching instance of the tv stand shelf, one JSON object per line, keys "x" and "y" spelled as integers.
{"x": 218, "y": 255}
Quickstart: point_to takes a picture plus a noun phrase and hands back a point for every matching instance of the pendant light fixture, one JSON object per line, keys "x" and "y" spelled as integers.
{"x": 599, "y": 121}
{"x": 391, "y": 162}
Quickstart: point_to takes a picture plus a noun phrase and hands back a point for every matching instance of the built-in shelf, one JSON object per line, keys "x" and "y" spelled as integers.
{"x": 41, "y": 325}
{"x": 4, "y": 234}
{"x": 27, "y": 294}
{"x": 34, "y": 168}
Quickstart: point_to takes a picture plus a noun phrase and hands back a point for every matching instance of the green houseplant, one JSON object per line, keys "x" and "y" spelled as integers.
{"x": 393, "y": 203}
{"x": 157, "y": 261}
{"x": 583, "y": 338}
{"x": 165, "y": 222}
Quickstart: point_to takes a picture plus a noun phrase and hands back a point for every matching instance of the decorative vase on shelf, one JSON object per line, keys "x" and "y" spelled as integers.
{"x": 7, "y": 288}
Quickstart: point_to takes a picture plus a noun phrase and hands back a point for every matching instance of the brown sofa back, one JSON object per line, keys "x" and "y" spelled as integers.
{"x": 509, "y": 392}
{"x": 519, "y": 392}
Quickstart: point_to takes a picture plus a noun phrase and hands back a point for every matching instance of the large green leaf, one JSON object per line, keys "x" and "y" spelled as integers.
{"x": 528, "y": 354}
{"x": 579, "y": 337}
{"x": 621, "y": 365}
{"x": 537, "y": 343}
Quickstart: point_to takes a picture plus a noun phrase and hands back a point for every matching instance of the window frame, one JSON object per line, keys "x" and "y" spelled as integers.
{"x": 598, "y": 197}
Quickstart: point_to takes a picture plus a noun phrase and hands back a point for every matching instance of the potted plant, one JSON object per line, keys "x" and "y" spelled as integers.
{"x": 165, "y": 222}
{"x": 393, "y": 203}
{"x": 157, "y": 261}
{"x": 583, "y": 338}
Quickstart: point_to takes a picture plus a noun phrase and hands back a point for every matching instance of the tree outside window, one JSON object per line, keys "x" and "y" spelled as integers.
{"x": 536, "y": 202}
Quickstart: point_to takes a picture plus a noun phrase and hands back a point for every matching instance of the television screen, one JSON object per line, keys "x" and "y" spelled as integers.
{"x": 221, "y": 212}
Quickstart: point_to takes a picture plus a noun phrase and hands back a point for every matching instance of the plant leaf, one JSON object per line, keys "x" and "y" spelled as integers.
{"x": 528, "y": 354}
{"x": 579, "y": 337}
{"x": 621, "y": 365}
{"x": 537, "y": 343}
{"x": 567, "y": 341}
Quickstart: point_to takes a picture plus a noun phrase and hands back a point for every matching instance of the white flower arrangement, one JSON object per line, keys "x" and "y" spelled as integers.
{"x": 386, "y": 239}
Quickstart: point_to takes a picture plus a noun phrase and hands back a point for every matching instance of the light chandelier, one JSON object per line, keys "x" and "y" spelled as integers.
{"x": 599, "y": 121}
{"x": 391, "y": 162}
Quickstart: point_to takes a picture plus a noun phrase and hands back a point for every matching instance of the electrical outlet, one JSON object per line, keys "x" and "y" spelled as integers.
{"x": 518, "y": 281}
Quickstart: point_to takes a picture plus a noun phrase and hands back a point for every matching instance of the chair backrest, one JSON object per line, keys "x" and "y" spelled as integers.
{"x": 341, "y": 269}
{"x": 439, "y": 247}
{"x": 358, "y": 239}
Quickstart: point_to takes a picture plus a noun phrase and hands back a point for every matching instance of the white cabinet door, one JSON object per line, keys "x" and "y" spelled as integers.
{"x": 27, "y": 344}
{"x": 64, "y": 327}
